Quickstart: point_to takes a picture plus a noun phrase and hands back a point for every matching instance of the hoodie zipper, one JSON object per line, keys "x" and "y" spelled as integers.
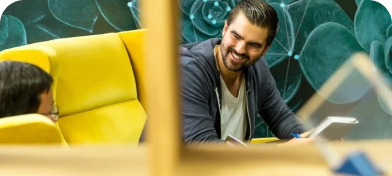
{"x": 247, "y": 112}
{"x": 218, "y": 99}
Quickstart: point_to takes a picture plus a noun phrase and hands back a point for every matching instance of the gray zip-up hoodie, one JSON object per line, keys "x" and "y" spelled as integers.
{"x": 201, "y": 97}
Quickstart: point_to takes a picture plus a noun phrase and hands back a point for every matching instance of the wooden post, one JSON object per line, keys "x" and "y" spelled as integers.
{"x": 160, "y": 18}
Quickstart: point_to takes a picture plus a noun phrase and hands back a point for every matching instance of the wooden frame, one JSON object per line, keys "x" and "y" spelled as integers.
{"x": 164, "y": 154}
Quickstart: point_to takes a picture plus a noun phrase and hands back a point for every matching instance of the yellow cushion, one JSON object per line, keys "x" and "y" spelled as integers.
{"x": 41, "y": 58}
{"x": 119, "y": 123}
{"x": 263, "y": 140}
{"x": 28, "y": 129}
{"x": 134, "y": 42}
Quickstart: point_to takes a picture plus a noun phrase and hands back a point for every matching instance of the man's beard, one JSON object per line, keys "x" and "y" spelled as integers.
{"x": 226, "y": 61}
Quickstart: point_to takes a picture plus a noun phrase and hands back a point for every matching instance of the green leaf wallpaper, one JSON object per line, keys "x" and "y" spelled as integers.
{"x": 315, "y": 37}
{"x": 344, "y": 44}
{"x": 12, "y": 32}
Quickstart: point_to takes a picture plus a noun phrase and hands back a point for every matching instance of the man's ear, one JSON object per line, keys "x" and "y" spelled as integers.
{"x": 225, "y": 27}
{"x": 266, "y": 49}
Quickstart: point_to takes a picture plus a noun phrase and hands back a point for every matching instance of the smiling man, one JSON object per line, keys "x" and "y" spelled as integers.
{"x": 226, "y": 82}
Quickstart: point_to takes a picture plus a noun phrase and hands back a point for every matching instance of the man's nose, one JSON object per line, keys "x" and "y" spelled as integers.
{"x": 241, "y": 47}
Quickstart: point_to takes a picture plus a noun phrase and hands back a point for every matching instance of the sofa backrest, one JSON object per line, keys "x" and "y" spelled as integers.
{"x": 94, "y": 87}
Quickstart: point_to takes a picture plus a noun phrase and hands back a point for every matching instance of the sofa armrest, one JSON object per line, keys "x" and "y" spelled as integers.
{"x": 29, "y": 129}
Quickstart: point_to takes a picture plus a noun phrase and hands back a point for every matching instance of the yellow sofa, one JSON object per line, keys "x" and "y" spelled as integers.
{"x": 98, "y": 83}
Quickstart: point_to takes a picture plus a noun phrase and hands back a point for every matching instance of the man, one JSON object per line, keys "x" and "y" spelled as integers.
{"x": 226, "y": 83}
{"x": 25, "y": 89}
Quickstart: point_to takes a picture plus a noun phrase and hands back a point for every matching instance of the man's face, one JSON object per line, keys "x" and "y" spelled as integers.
{"x": 242, "y": 44}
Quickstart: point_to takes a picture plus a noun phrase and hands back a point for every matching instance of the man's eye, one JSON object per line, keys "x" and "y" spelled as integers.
{"x": 236, "y": 36}
{"x": 255, "y": 45}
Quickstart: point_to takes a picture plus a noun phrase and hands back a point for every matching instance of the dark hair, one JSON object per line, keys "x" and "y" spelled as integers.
{"x": 20, "y": 87}
{"x": 259, "y": 13}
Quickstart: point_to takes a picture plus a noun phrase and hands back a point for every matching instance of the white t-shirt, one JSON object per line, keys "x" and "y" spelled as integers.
{"x": 234, "y": 112}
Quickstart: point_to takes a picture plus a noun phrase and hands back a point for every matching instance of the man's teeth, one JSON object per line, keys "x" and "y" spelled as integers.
{"x": 236, "y": 56}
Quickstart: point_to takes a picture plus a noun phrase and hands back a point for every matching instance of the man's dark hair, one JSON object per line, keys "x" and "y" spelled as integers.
{"x": 20, "y": 87}
{"x": 259, "y": 13}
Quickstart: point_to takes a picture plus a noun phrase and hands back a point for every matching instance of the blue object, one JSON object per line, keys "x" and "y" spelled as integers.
{"x": 295, "y": 135}
{"x": 357, "y": 163}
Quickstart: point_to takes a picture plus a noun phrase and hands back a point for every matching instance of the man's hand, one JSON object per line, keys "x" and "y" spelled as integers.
{"x": 298, "y": 141}
{"x": 303, "y": 140}
{"x": 305, "y": 135}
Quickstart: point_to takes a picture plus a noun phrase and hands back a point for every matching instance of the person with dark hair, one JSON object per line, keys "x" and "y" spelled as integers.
{"x": 24, "y": 89}
{"x": 226, "y": 82}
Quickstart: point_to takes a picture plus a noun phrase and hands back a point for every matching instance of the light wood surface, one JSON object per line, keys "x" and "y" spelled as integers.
{"x": 271, "y": 160}
{"x": 76, "y": 161}
{"x": 208, "y": 160}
